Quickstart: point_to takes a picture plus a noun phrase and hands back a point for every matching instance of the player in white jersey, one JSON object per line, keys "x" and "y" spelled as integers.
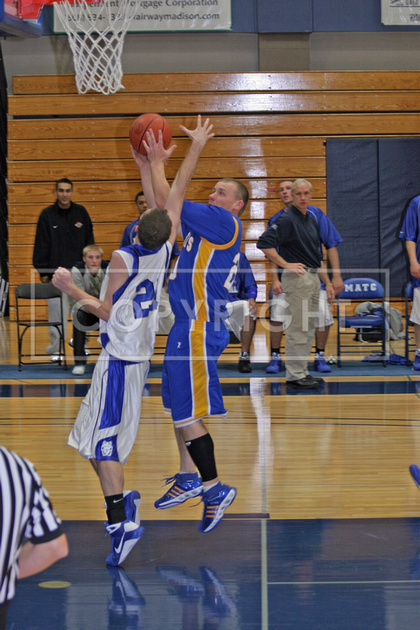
{"x": 129, "y": 332}
{"x": 106, "y": 426}
{"x": 127, "y": 339}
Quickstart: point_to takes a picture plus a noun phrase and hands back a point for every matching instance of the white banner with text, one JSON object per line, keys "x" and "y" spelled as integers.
{"x": 171, "y": 15}
{"x": 400, "y": 12}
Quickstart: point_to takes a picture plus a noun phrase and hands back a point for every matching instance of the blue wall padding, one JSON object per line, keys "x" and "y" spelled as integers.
{"x": 369, "y": 185}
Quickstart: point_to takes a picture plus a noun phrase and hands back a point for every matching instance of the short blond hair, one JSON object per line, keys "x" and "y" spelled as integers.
{"x": 93, "y": 247}
{"x": 300, "y": 181}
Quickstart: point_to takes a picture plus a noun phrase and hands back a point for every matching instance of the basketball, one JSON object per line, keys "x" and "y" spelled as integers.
{"x": 141, "y": 126}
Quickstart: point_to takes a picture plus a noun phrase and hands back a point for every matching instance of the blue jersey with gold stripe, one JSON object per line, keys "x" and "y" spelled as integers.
{"x": 206, "y": 268}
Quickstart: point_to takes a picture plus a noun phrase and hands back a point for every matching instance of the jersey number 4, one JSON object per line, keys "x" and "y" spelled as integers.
{"x": 232, "y": 272}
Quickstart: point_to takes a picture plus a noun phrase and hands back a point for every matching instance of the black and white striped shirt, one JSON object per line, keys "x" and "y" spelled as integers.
{"x": 25, "y": 512}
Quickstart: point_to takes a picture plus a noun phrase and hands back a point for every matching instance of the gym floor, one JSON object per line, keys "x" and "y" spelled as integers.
{"x": 324, "y": 533}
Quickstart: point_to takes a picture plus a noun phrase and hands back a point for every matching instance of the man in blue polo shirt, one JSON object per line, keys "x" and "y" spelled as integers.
{"x": 330, "y": 238}
{"x": 296, "y": 233}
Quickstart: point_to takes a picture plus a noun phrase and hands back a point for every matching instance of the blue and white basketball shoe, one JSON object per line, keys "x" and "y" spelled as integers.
{"x": 123, "y": 538}
{"x": 186, "y": 486}
{"x": 215, "y": 500}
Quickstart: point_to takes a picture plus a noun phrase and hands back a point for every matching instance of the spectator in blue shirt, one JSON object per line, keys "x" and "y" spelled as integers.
{"x": 330, "y": 238}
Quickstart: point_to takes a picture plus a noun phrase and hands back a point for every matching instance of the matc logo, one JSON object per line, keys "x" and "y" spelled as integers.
{"x": 357, "y": 287}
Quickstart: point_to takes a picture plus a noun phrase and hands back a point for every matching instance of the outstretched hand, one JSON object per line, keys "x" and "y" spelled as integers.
{"x": 155, "y": 150}
{"x": 202, "y": 133}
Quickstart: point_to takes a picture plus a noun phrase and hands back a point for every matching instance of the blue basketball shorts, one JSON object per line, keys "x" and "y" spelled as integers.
{"x": 190, "y": 383}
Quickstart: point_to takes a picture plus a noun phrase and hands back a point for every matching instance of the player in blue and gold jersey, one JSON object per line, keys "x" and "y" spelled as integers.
{"x": 198, "y": 290}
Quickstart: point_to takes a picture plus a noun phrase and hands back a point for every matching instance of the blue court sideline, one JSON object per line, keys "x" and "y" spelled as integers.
{"x": 225, "y": 370}
{"x": 288, "y": 575}
{"x": 274, "y": 388}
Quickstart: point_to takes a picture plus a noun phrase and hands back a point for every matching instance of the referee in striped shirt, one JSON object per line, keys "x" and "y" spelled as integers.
{"x": 25, "y": 512}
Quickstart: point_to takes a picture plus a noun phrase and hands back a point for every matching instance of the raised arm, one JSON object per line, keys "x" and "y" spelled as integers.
{"x": 199, "y": 138}
{"x": 146, "y": 178}
{"x": 156, "y": 156}
{"x": 155, "y": 185}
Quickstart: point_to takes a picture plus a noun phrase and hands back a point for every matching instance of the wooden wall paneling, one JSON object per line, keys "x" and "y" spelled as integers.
{"x": 270, "y": 127}
{"x": 107, "y": 148}
{"x": 265, "y": 124}
{"x": 229, "y": 81}
{"x": 71, "y": 105}
{"x": 124, "y": 170}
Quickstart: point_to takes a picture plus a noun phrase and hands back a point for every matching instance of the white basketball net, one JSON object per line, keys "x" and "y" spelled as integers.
{"x": 96, "y": 35}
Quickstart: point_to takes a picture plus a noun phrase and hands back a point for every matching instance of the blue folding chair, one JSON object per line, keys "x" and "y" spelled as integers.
{"x": 361, "y": 289}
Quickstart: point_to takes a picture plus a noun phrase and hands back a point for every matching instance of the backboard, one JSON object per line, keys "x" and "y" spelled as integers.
{"x": 11, "y": 24}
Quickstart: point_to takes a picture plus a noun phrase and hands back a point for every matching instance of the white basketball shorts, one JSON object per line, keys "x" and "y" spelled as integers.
{"x": 106, "y": 426}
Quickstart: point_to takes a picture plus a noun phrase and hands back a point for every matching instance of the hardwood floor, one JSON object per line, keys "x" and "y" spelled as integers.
{"x": 334, "y": 455}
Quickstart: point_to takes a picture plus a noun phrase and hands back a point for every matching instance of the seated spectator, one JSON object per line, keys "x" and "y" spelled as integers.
{"x": 87, "y": 275}
{"x": 242, "y": 310}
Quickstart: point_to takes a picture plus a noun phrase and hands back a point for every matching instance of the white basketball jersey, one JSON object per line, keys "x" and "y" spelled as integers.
{"x": 129, "y": 334}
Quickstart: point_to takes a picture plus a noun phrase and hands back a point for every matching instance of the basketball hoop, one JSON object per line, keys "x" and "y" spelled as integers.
{"x": 96, "y": 33}
{"x": 96, "y": 30}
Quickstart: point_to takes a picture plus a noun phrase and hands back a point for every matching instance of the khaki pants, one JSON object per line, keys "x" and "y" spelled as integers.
{"x": 302, "y": 295}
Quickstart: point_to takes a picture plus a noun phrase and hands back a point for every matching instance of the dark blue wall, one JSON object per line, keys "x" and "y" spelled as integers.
{"x": 357, "y": 15}
{"x": 244, "y": 16}
{"x": 284, "y": 16}
{"x": 307, "y": 16}
{"x": 369, "y": 184}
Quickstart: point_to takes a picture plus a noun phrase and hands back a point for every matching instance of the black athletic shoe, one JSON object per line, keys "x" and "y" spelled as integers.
{"x": 303, "y": 383}
{"x": 244, "y": 365}
{"x": 317, "y": 379}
